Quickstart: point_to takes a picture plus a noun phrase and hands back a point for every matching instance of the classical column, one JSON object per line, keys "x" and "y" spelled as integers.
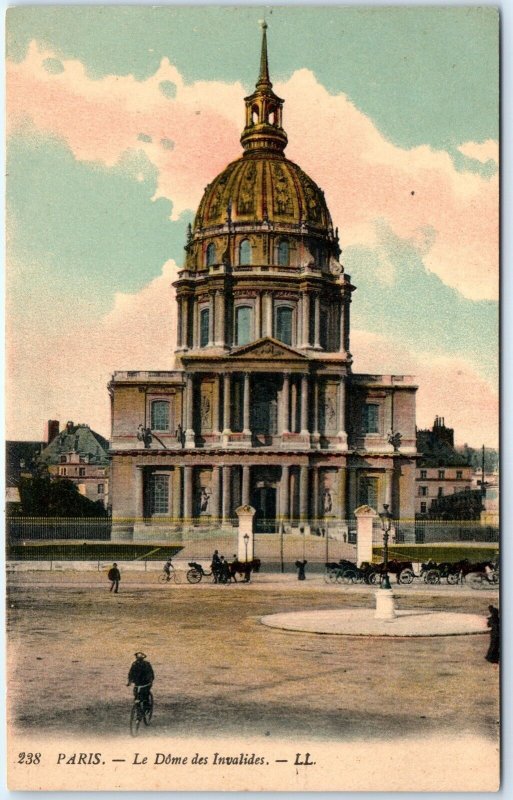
{"x": 315, "y": 380}
{"x": 342, "y": 327}
{"x": 211, "y": 316}
{"x": 227, "y": 471}
{"x": 175, "y": 494}
{"x": 226, "y": 403}
{"x": 219, "y": 336}
{"x": 179, "y": 323}
{"x": 245, "y": 407}
{"x": 304, "y": 405}
{"x": 185, "y": 322}
{"x": 351, "y": 492}
{"x": 195, "y": 336}
{"x": 346, "y": 326}
{"x": 187, "y": 495}
{"x": 189, "y": 409}
{"x": 303, "y": 493}
{"x": 258, "y": 316}
{"x": 306, "y": 320}
{"x": 268, "y": 314}
{"x": 245, "y": 484}
{"x": 343, "y": 489}
{"x": 388, "y": 488}
{"x": 284, "y": 493}
{"x": 342, "y": 412}
{"x": 216, "y": 492}
{"x": 293, "y": 407}
{"x": 285, "y": 400}
{"x": 315, "y": 494}
{"x": 217, "y": 403}
{"x": 317, "y": 323}
{"x": 138, "y": 493}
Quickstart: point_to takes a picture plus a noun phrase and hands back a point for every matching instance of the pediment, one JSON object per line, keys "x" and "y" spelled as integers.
{"x": 267, "y": 348}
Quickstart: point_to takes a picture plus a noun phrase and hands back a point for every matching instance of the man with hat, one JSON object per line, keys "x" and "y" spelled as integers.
{"x": 142, "y": 676}
{"x": 114, "y": 577}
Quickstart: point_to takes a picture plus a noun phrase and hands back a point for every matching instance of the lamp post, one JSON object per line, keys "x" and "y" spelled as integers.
{"x": 246, "y": 541}
{"x": 386, "y": 524}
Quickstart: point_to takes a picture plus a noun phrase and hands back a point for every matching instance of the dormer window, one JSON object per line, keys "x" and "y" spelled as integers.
{"x": 245, "y": 253}
{"x": 283, "y": 253}
{"x": 211, "y": 255}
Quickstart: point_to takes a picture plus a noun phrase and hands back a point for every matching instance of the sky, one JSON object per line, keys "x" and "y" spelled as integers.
{"x": 118, "y": 117}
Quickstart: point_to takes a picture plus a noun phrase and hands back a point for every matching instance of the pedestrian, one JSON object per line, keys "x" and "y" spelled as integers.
{"x": 301, "y": 570}
{"x": 114, "y": 577}
{"x": 216, "y": 566}
{"x": 493, "y": 654}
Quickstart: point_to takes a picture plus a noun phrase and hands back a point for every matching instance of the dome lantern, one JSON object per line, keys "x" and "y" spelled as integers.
{"x": 263, "y": 129}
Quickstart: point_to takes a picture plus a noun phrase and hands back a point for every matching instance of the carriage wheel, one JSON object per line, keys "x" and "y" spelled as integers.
{"x": 406, "y": 576}
{"x": 332, "y": 576}
{"x": 194, "y": 575}
{"x": 372, "y": 577}
{"x": 349, "y": 576}
{"x": 432, "y": 577}
{"x": 340, "y": 577}
{"x": 452, "y": 578}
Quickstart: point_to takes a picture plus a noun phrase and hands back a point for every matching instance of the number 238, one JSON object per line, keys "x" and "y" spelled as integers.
{"x": 29, "y": 758}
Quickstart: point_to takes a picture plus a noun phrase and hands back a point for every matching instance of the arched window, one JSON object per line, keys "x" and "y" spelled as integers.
{"x": 254, "y": 115}
{"x": 283, "y": 253}
{"x": 245, "y": 252}
{"x": 211, "y": 254}
{"x": 160, "y": 415}
{"x": 243, "y": 324}
{"x": 284, "y": 324}
{"x": 204, "y": 326}
{"x": 272, "y": 115}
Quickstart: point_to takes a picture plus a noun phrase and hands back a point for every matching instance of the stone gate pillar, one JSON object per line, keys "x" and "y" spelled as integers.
{"x": 365, "y": 516}
{"x": 245, "y": 542}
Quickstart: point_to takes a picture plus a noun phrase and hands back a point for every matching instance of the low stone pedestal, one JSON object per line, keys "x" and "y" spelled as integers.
{"x": 385, "y": 608}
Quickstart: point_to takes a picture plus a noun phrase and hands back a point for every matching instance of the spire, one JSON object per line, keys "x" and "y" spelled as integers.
{"x": 263, "y": 78}
{"x": 263, "y": 129}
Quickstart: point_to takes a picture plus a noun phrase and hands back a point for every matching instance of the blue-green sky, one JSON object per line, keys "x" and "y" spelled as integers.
{"x": 89, "y": 221}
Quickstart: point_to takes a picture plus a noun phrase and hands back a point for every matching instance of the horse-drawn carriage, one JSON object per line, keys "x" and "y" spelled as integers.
{"x": 345, "y": 571}
{"x": 477, "y": 575}
{"x": 242, "y": 568}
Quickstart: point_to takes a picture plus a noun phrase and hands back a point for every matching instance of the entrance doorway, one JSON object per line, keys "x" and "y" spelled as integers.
{"x": 264, "y": 503}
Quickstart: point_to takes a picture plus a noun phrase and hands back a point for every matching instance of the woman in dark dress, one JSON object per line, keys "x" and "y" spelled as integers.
{"x": 301, "y": 570}
{"x": 494, "y": 624}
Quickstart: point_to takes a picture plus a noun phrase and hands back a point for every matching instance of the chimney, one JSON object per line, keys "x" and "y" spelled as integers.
{"x": 52, "y": 430}
{"x": 69, "y": 426}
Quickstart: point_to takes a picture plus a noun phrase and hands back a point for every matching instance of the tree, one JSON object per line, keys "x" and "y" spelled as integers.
{"x": 43, "y": 497}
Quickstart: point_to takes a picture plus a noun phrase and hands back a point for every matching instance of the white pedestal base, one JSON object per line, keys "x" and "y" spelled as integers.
{"x": 385, "y": 608}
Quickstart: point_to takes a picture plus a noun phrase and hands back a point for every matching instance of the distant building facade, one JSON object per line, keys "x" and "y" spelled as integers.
{"x": 441, "y": 470}
{"x": 263, "y": 407}
{"x": 81, "y": 455}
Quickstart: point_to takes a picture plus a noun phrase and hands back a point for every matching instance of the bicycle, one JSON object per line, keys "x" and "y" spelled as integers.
{"x": 142, "y": 710}
{"x": 172, "y": 576}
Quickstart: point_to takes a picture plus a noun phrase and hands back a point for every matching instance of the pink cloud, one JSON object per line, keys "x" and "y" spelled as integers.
{"x": 451, "y": 216}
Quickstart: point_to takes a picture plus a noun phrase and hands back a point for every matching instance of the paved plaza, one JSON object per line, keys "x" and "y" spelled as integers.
{"x": 221, "y": 671}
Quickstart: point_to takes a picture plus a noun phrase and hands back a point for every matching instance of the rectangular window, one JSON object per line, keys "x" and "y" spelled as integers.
{"x": 423, "y": 491}
{"x": 63, "y": 459}
{"x": 62, "y": 470}
{"x": 160, "y": 415}
{"x": 81, "y": 472}
{"x": 441, "y": 474}
{"x": 440, "y": 491}
{"x": 284, "y": 324}
{"x": 459, "y": 475}
{"x": 371, "y": 418}
{"x": 204, "y": 326}
{"x": 423, "y": 508}
{"x": 423, "y": 474}
{"x": 369, "y": 492}
{"x": 100, "y": 488}
{"x": 159, "y": 494}
{"x": 243, "y": 325}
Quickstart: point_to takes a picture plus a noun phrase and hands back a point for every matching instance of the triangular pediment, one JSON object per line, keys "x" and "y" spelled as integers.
{"x": 267, "y": 348}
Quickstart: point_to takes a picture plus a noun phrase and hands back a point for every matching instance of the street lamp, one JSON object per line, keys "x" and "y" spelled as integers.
{"x": 386, "y": 524}
{"x": 246, "y": 542}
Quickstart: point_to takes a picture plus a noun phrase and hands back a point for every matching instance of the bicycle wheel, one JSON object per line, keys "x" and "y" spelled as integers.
{"x": 194, "y": 576}
{"x": 174, "y": 576}
{"x": 148, "y": 711}
{"x": 135, "y": 719}
{"x": 406, "y": 576}
{"x": 163, "y": 578}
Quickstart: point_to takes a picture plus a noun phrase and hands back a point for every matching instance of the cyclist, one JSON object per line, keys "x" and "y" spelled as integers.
{"x": 167, "y": 569}
{"x": 142, "y": 676}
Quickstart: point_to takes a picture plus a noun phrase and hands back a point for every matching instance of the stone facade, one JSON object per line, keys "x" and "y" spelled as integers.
{"x": 263, "y": 407}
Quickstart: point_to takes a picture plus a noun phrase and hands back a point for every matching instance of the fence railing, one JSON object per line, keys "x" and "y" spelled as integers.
{"x": 38, "y": 528}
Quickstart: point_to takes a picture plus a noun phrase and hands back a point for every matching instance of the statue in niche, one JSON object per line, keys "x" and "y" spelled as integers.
{"x": 205, "y": 495}
{"x": 329, "y": 411}
{"x": 327, "y": 500}
{"x": 314, "y": 211}
{"x": 205, "y": 411}
{"x": 246, "y": 201}
{"x": 282, "y": 199}
{"x": 145, "y": 435}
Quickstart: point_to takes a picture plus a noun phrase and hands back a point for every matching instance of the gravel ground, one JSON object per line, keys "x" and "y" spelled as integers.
{"x": 219, "y": 671}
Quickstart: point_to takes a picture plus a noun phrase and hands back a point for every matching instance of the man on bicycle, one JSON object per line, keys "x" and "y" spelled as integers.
{"x": 142, "y": 676}
{"x": 167, "y": 569}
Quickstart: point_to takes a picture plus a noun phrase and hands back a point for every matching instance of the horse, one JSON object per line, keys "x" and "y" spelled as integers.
{"x": 244, "y": 568}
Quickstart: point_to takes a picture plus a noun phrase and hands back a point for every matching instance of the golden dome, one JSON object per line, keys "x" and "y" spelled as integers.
{"x": 263, "y": 186}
